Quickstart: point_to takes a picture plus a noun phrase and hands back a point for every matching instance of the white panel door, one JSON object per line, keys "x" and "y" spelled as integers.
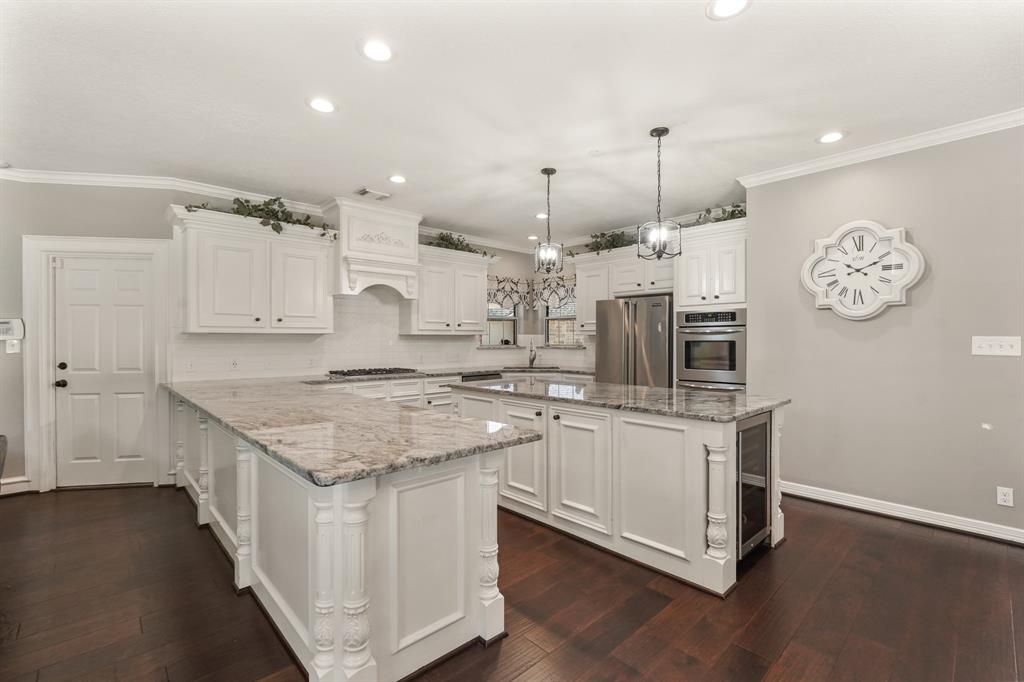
{"x": 728, "y": 267}
{"x": 523, "y": 476}
{"x": 470, "y": 299}
{"x": 591, "y": 287}
{"x": 437, "y": 283}
{"x": 299, "y": 298}
{"x": 104, "y": 351}
{"x": 580, "y": 451}
{"x": 627, "y": 276}
{"x": 692, "y": 283}
{"x": 231, "y": 281}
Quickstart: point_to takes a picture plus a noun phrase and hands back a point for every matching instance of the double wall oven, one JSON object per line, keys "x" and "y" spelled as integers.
{"x": 711, "y": 349}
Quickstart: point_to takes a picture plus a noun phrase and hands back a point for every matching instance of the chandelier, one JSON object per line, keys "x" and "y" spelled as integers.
{"x": 654, "y": 238}
{"x": 548, "y": 256}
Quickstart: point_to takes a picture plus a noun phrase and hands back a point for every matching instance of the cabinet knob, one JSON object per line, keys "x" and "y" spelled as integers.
{"x": 639, "y": 284}
{"x": 703, "y": 298}
{"x": 280, "y": 319}
{"x": 447, "y": 324}
{"x": 716, "y": 295}
{"x": 538, "y": 413}
{"x": 556, "y": 417}
{"x": 430, "y": 402}
{"x": 652, "y": 284}
{"x": 459, "y": 324}
{"x": 257, "y": 319}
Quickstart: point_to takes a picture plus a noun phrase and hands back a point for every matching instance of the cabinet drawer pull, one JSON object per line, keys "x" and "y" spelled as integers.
{"x": 556, "y": 417}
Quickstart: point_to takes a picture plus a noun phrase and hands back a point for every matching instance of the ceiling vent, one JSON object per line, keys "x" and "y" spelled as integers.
{"x": 372, "y": 194}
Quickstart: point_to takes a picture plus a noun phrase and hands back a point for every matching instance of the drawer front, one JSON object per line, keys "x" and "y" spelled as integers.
{"x": 436, "y": 385}
{"x": 405, "y": 387}
{"x": 371, "y": 389}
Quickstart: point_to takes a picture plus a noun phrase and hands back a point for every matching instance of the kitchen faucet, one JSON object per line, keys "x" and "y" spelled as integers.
{"x": 533, "y": 354}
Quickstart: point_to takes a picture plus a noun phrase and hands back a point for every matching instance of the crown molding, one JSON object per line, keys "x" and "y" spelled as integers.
{"x": 959, "y": 131}
{"x": 478, "y": 241}
{"x": 46, "y": 177}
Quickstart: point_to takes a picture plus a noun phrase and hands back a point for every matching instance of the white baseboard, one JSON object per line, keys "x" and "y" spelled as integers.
{"x": 16, "y": 484}
{"x": 902, "y": 511}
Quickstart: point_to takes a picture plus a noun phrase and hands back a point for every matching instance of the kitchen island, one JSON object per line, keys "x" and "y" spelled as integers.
{"x": 649, "y": 473}
{"x": 366, "y": 528}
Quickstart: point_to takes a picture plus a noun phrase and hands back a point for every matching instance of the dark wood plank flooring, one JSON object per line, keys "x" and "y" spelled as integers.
{"x": 120, "y": 585}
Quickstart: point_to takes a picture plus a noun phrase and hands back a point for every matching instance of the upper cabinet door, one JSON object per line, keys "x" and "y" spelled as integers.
{"x": 591, "y": 287}
{"x": 437, "y": 283}
{"x": 728, "y": 267}
{"x": 692, "y": 281}
{"x": 299, "y": 297}
{"x": 230, "y": 280}
{"x": 470, "y": 299}
{"x": 659, "y": 275}
{"x": 627, "y": 276}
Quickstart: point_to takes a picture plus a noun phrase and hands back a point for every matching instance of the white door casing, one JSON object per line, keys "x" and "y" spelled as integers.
{"x": 104, "y": 330}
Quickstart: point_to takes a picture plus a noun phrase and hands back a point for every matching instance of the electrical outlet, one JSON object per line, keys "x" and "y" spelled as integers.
{"x": 234, "y": 364}
{"x": 995, "y": 345}
{"x": 1004, "y": 496}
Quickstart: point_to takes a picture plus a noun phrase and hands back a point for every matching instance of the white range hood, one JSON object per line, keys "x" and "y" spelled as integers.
{"x": 376, "y": 245}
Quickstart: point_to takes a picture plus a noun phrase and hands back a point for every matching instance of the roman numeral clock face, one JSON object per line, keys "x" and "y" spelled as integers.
{"x": 862, "y": 268}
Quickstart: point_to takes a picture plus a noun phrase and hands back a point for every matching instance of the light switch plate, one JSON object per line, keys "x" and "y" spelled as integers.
{"x": 12, "y": 346}
{"x": 995, "y": 345}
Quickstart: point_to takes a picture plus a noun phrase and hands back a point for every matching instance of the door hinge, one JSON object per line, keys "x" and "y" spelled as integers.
{"x": 56, "y": 262}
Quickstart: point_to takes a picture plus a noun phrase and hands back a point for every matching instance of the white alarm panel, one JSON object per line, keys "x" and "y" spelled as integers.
{"x": 12, "y": 329}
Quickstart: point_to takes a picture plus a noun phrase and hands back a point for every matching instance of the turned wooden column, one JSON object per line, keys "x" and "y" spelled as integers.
{"x": 179, "y": 443}
{"x": 718, "y": 531}
{"x": 357, "y": 660}
{"x": 492, "y": 602}
{"x": 243, "y": 509}
{"x": 203, "y": 501}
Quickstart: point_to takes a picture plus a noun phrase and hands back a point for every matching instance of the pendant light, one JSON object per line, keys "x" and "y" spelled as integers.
{"x": 548, "y": 255}
{"x": 654, "y": 238}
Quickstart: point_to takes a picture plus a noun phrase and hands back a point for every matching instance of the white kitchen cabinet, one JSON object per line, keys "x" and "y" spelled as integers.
{"x": 229, "y": 281}
{"x": 299, "y": 276}
{"x": 579, "y": 445}
{"x": 627, "y": 276}
{"x": 441, "y": 403}
{"x": 659, "y": 275}
{"x": 523, "y": 476}
{"x": 453, "y": 295}
{"x": 592, "y": 285}
{"x": 631, "y": 275}
{"x": 477, "y": 407}
{"x": 712, "y": 268}
{"x": 240, "y": 277}
{"x": 370, "y": 389}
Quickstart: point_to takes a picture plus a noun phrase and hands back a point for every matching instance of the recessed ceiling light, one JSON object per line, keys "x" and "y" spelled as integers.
{"x": 377, "y": 51}
{"x": 532, "y": 237}
{"x": 324, "y": 106}
{"x": 397, "y": 179}
{"x": 542, "y": 216}
{"x": 831, "y": 136}
{"x": 726, "y": 9}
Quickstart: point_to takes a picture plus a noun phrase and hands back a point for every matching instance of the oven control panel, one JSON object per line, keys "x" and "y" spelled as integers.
{"x": 711, "y": 318}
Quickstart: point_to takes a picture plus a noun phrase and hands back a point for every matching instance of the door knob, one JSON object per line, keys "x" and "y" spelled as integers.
{"x": 556, "y": 417}
{"x": 538, "y": 413}
{"x": 60, "y": 383}
{"x": 62, "y": 365}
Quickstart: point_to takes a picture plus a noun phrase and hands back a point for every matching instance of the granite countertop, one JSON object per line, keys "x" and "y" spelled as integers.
{"x": 688, "y": 403}
{"x": 329, "y": 438}
{"x": 446, "y": 372}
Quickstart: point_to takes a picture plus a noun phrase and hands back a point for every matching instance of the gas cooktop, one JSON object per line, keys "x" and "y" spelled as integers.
{"x": 371, "y": 371}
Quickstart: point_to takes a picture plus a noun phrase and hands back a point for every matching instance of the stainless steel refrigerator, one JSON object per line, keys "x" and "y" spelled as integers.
{"x": 634, "y": 341}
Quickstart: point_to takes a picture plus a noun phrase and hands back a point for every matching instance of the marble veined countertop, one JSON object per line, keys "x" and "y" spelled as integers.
{"x": 449, "y": 372}
{"x": 331, "y": 438}
{"x": 688, "y": 403}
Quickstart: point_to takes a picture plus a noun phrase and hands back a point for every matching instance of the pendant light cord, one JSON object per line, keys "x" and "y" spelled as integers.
{"x": 549, "y": 209}
{"x": 659, "y": 182}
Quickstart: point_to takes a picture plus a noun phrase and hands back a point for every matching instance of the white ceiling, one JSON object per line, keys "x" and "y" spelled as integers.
{"x": 481, "y": 95}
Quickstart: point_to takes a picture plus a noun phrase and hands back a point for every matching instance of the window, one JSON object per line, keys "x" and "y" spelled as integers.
{"x": 501, "y": 326}
{"x": 560, "y": 326}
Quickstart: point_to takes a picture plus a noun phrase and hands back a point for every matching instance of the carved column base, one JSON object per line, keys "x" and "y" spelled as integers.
{"x": 203, "y": 499}
{"x": 243, "y": 509}
{"x": 178, "y": 428}
{"x": 492, "y": 602}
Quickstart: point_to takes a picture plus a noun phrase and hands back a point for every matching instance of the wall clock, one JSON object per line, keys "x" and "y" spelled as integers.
{"x": 862, "y": 268}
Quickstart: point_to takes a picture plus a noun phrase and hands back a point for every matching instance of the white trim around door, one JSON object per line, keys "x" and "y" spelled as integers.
{"x": 38, "y": 309}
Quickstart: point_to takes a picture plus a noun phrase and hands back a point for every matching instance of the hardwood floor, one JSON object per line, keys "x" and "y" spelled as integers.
{"x": 120, "y": 585}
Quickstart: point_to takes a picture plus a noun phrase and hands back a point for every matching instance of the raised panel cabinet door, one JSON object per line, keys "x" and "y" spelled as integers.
{"x": 627, "y": 276}
{"x": 523, "y": 475}
{"x": 728, "y": 270}
{"x": 437, "y": 285}
{"x": 477, "y": 406}
{"x": 591, "y": 287}
{"x": 581, "y": 464}
{"x": 660, "y": 275}
{"x": 470, "y": 299}
{"x": 299, "y": 297}
{"x": 231, "y": 287}
{"x": 104, "y": 331}
{"x": 692, "y": 278}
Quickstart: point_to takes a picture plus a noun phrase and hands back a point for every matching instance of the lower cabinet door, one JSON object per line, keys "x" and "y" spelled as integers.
{"x": 477, "y": 406}
{"x": 579, "y": 446}
{"x": 523, "y": 476}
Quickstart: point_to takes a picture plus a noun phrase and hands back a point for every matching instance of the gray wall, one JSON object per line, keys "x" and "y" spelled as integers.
{"x": 891, "y": 408}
